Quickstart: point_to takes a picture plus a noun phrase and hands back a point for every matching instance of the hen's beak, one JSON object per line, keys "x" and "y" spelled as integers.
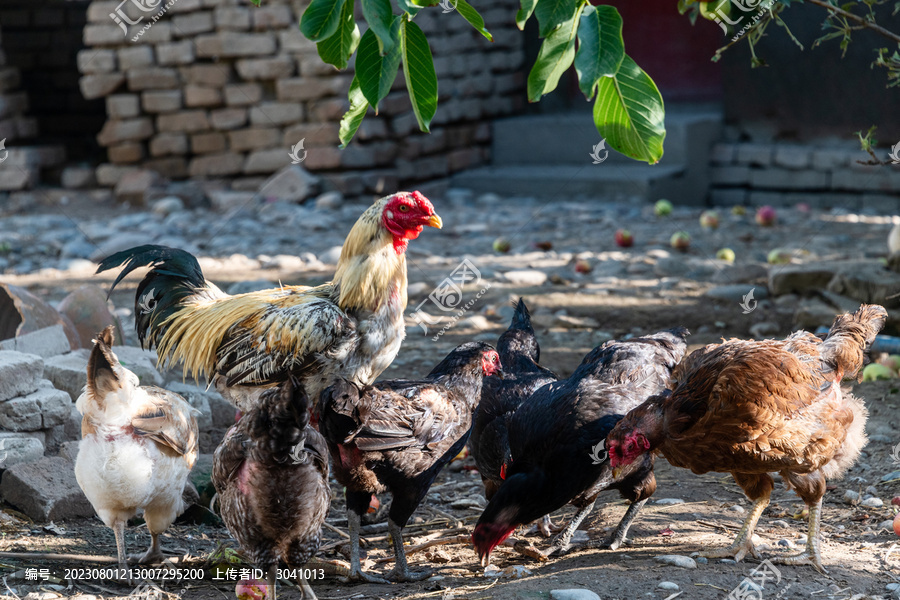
{"x": 434, "y": 221}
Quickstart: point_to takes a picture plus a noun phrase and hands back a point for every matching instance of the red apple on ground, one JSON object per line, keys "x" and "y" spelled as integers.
{"x": 502, "y": 245}
{"x": 624, "y": 239}
{"x": 582, "y": 266}
{"x": 765, "y": 216}
{"x": 709, "y": 219}
{"x": 250, "y": 589}
{"x": 680, "y": 240}
{"x": 545, "y": 246}
{"x": 896, "y": 501}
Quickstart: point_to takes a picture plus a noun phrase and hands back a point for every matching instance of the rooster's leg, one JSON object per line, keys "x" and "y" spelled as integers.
{"x": 811, "y": 555}
{"x": 401, "y": 570}
{"x": 617, "y": 538}
{"x": 743, "y": 543}
{"x": 563, "y": 541}
{"x": 152, "y": 555}
{"x": 356, "y": 572}
{"x": 119, "y": 531}
{"x": 271, "y": 581}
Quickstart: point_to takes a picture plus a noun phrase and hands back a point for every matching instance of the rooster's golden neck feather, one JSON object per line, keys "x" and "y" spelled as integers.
{"x": 369, "y": 270}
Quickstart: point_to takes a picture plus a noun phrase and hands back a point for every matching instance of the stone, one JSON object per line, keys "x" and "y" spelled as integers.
{"x": 257, "y": 69}
{"x": 764, "y": 330}
{"x": 109, "y": 175}
{"x": 152, "y": 78}
{"x": 161, "y": 101}
{"x": 18, "y": 448}
{"x": 69, "y": 450}
{"x": 526, "y": 277}
{"x": 127, "y": 130}
{"x": 215, "y": 165}
{"x": 133, "y": 187}
{"x": 225, "y": 119}
{"x": 176, "y": 53}
{"x": 276, "y": 113}
{"x": 330, "y": 201}
{"x": 243, "y": 94}
{"x": 254, "y": 138}
{"x": 792, "y": 157}
{"x": 813, "y": 313}
{"x": 228, "y": 44}
{"x": 189, "y": 25}
{"x": 19, "y": 373}
{"x": 40, "y": 409}
{"x": 47, "y": 342}
{"x": 232, "y": 18}
{"x": 869, "y": 282}
{"x": 77, "y": 178}
{"x": 187, "y": 121}
{"x": 669, "y": 501}
{"x": 97, "y": 86}
{"x": 208, "y": 143}
{"x": 123, "y": 106}
{"x": 135, "y": 56}
{"x": 850, "y": 497}
{"x": 168, "y": 205}
{"x": 166, "y": 144}
{"x": 69, "y": 371}
{"x": 891, "y": 476}
{"x": 293, "y": 183}
{"x": 45, "y": 490}
{"x": 225, "y": 200}
{"x": 799, "y": 279}
{"x": 129, "y": 152}
{"x": 266, "y": 161}
{"x": 331, "y": 256}
{"x": 675, "y": 560}
{"x": 573, "y": 594}
{"x": 872, "y": 503}
{"x": 735, "y": 293}
{"x": 197, "y": 95}
{"x": 741, "y": 273}
{"x": 668, "y": 585}
{"x": 199, "y": 399}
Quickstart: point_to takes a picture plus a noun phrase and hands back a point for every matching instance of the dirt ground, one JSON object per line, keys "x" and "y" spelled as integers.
{"x": 861, "y": 558}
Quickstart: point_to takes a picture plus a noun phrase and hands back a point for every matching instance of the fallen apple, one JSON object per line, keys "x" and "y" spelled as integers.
{"x": 502, "y": 245}
{"x": 680, "y": 240}
{"x": 250, "y": 589}
{"x": 582, "y": 266}
{"x": 545, "y": 246}
{"x": 897, "y": 524}
{"x": 709, "y": 219}
{"x": 765, "y": 216}
{"x": 778, "y": 256}
{"x": 662, "y": 208}
{"x": 738, "y": 210}
{"x": 726, "y": 254}
{"x": 875, "y": 372}
{"x": 624, "y": 238}
{"x": 892, "y": 362}
{"x": 895, "y": 501}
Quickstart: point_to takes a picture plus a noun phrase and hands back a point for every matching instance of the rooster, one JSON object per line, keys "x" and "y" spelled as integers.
{"x": 751, "y": 408}
{"x": 522, "y": 375}
{"x": 351, "y": 327}
{"x": 138, "y": 446}
{"x": 397, "y": 436}
{"x": 556, "y": 441}
{"x": 271, "y": 476}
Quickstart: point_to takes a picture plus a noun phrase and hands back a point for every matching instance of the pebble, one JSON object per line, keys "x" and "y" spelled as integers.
{"x": 850, "y": 497}
{"x": 677, "y": 560}
{"x": 668, "y": 585}
{"x": 573, "y": 594}
{"x": 891, "y": 476}
{"x": 892, "y": 587}
{"x": 701, "y": 560}
{"x": 665, "y": 501}
{"x": 331, "y": 256}
{"x": 526, "y": 277}
{"x": 872, "y": 490}
{"x": 881, "y": 438}
{"x": 780, "y": 523}
{"x": 737, "y": 508}
{"x": 888, "y": 525}
{"x": 330, "y": 201}
{"x": 417, "y": 289}
{"x": 786, "y": 543}
{"x": 872, "y": 503}
{"x": 168, "y": 205}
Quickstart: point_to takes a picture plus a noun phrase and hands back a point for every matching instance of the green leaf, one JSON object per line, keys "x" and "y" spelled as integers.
{"x": 554, "y": 57}
{"x": 418, "y": 69}
{"x": 338, "y": 49}
{"x": 353, "y": 118}
{"x": 255, "y": 2}
{"x": 320, "y": 19}
{"x": 552, "y": 13}
{"x": 379, "y": 15}
{"x": 600, "y": 47}
{"x": 409, "y": 8}
{"x": 376, "y": 73}
{"x": 629, "y": 113}
{"x": 525, "y": 12}
{"x": 471, "y": 15}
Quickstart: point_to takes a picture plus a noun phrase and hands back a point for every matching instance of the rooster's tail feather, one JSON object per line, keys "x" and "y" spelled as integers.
{"x": 278, "y": 424}
{"x": 174, "y": 276}
{"x": 850, "y": 335}
{"x": 521, "y": 320}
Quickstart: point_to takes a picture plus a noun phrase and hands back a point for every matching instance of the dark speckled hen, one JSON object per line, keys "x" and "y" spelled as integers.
{"x": 751, "y": 408}
{"x": 520, "y": 354}
{"x": 271, "y": 476}
{"x": 397, "y": 436}
{"x": 556, "y": 440}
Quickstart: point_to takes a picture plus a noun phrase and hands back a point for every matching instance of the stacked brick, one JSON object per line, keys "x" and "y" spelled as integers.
{"x": 219, "y": 89}
{"x": 781, "y": 174}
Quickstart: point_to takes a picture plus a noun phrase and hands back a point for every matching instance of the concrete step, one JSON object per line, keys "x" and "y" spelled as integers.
{"x": 568, "y": 138}
{"x": 608, "y": 181}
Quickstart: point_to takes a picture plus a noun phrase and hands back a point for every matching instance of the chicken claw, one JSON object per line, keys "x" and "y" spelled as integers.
{"x": 357, "y": 575}
{"x": 738, "y": 550}
{"x": 547, "y": 528}
{"x": 811, "y": 555}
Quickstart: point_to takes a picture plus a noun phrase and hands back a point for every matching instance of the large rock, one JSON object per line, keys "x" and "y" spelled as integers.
{"x": 44, "y": 408}
{"x": 867, "y": 282}
{"x": 45, "y": 490}
{"x": 741, "y": 273}
{"x": 46, "y": 342}
{"x": 17, "y": 448}
{"x": 19, "y": 373}
{"x": 799, "y": 279}
{"x": 69, "y": 371}
{"x": 293, "y": 183}
{"x": 88, "y": 309}
{"x": 22, "y": 312}
{"x": 199, "y": 399}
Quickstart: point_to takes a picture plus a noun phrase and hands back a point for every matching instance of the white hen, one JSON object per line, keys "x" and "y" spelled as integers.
{"x": 138, "y": 446}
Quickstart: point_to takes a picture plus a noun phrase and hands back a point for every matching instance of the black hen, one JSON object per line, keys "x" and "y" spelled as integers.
{"x": 271, "y": 476}
{"x": 397, "y": 436}
{"x": 557, "y": 437}
{"x": 500, "y": 397}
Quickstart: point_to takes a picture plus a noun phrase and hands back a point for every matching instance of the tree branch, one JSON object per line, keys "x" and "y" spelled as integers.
{"x": 865, "y": 23}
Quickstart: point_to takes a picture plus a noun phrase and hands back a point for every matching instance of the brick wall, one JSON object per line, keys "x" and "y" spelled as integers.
{"x": 220, "y": 89}
{"x": 781, "y": 174}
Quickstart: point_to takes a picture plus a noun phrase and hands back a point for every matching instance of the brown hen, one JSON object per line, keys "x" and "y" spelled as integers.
{"x": 751, "y": 408}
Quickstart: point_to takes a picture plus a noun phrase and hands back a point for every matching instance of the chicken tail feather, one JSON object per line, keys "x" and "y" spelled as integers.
{"x": 521, "y": 320}
{"x": 853, "y": 444}
{"x": 174, "y": 276}
{"x": 101, "y": 375}
{"x": 849, "y": 336}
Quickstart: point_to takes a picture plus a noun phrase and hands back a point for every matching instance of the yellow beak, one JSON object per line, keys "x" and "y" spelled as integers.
{"x": 434, "y": 221}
